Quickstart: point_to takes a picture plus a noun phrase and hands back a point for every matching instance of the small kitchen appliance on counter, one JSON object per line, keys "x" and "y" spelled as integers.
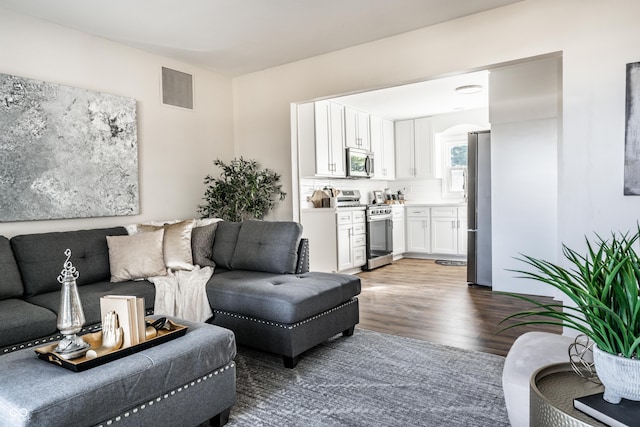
{"x": 348, "y": 199}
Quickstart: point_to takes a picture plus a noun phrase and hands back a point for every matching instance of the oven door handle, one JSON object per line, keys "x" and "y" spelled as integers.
{"x": 379, "y": 218}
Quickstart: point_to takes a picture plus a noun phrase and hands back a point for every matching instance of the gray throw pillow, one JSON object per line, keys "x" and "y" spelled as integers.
{"x": 224, "y": 243}
{"x": 270, "y": 246}
{"x": 202, "y": 245}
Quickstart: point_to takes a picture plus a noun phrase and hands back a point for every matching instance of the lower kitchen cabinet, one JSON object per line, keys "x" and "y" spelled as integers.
{"x": 449, "y": 230}
{"x": 352, "y": 239}
{"x": 444, "y": 230}
{"x": 436, "y": 230}
{"x": 399, "y": 232}
{"x": 337, "y": 238}
{"x": 418, "y": 230}
{"x": 462, "y": 232}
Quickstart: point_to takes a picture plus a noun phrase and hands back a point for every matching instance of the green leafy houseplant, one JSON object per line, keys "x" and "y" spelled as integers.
{"x": 603, "y": 284}
{"x": 242, "y": 191}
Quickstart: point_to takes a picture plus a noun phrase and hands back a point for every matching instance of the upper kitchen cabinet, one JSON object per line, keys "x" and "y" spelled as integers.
{"x": 383, "y": 147}
{"x": 414, "y": 149}
{"x": 321, "y": 139}
{"x": 356, "y": 126}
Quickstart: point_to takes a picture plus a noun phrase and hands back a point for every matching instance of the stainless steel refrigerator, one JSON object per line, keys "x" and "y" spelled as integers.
{"x": 479, "y": 208}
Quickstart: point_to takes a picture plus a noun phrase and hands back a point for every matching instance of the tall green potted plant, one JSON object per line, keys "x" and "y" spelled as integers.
{"x": 603, "y": 286}
{"x": 242, "y": 191}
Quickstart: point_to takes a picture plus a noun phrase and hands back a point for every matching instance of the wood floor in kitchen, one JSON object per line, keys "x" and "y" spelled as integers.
{"x": 421, "y": 299}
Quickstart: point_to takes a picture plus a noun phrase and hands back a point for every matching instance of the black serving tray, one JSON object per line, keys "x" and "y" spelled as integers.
{"x": 48, "y": 354}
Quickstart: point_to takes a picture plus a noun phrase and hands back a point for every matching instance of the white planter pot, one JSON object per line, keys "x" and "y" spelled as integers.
{"x": 619, "y": 375}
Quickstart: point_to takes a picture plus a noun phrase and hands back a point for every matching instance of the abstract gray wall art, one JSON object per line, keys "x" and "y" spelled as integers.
{"x": 65, "y": 152}
{"x": 632, "y": 132}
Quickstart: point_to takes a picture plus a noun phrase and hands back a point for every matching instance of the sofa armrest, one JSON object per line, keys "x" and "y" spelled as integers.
{"x": 303, "y": 257}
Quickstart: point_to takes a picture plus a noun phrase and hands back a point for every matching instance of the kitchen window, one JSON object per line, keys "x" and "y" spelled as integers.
{"x": 454, "y": 169}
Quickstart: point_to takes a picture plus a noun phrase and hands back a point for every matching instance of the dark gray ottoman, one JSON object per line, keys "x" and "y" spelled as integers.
{"x": 285, "y": 314}
{"x": 185, "y": 382}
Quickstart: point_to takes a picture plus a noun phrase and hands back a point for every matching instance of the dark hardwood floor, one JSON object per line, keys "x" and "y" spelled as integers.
{"x": 420, "y": 299}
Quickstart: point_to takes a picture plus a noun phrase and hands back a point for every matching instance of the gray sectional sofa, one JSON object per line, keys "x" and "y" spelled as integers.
{"x": 261, "y": 290}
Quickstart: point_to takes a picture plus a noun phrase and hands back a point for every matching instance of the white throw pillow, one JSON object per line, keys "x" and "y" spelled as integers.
{"x": 177, "y": 243}
{"x": 136, "y": 257}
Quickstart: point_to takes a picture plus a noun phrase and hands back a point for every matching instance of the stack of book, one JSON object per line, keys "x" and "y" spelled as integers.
{"x": 624, "y": 414}
{"x": 130, "y": 311}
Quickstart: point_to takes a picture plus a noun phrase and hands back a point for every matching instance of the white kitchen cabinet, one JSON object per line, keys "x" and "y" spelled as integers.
{"x": 345, "y": 251}
{"x": 448, "y": 230}
{"x": 352, "y": 239}
{"x": 418, "y": 230}
{"x": 414, "y": 149}
{"x": 383, "y": 147}
{"x": 337, "y": 238}
{"x": 321, "y": 139}
{"x": 399, "y": 232}
{"x": 462, "y": 234}
{"x": 356, "y": 125}
{"x": 444, "y": 237}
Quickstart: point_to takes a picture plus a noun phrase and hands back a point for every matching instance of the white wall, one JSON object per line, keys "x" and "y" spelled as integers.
{"x": 176, "y": 147}
{"x": 524, "y": 112}
{"x": 596, "y": 39}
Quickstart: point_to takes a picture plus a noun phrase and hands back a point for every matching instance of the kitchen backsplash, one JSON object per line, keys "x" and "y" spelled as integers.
{"x": 422, "y": 191}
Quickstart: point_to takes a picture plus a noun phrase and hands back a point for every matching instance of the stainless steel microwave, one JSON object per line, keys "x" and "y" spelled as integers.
{"x": 359, "y": 163}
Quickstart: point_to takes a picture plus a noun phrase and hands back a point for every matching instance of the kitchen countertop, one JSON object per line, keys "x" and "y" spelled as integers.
{"x": 407, "y": 204}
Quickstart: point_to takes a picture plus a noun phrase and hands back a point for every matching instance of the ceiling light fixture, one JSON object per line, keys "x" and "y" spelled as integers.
{"x": 469, "y": 89}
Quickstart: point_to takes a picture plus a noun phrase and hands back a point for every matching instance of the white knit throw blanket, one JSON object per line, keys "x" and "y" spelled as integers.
{"x": 182, "y": 294}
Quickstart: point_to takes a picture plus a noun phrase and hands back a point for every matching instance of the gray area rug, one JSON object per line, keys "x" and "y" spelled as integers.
{"x": 371, "y": 379}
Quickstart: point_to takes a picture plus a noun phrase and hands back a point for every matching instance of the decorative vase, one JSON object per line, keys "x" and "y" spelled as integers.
{"x": 71, "y": 315}
{"x": 619, "y": 375}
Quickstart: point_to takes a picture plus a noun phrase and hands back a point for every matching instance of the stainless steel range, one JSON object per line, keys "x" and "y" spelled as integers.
{"x": 379, "y": 236}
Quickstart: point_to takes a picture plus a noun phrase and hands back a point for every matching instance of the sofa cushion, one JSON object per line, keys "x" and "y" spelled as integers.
{"x": 10, "y": 281}
{"x": 90, "y": 297}
{"x": 202, "y": 245}
{"x": 282, "y": 298}
{"x": 22, "y": 321}
{"x": 270, "y": 246}
{"x": 224, "y": 243}
{"x": 136, "y": 257}
{"x": 40, "y": 257}
{"x": 176, "y": 243}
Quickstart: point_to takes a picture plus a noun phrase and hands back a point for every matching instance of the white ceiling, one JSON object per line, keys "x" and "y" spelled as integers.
{"x": 235, "y": 37}
{"x": 426, "y": 98}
